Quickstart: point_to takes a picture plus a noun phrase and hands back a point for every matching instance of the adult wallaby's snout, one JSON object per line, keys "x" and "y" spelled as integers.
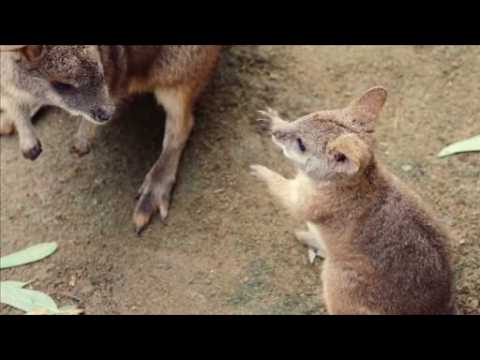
{"x": 102, "y": 114}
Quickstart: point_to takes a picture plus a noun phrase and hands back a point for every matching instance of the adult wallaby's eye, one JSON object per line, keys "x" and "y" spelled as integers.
{"x": 301, "y": 145}
{"x": 62, "y": 87}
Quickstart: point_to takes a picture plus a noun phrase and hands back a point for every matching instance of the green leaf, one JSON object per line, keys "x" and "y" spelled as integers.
{"x": 29, "y": 255}
{"x": 17, "y": 284}
{"x": 70, "y": 310}
{"x": 65, "y": 310}
{"x": 469, "y": 145}
{"x": 25, "y": 299}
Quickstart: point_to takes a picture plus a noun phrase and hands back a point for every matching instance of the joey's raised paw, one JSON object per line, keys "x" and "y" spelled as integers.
{"x": 154, "y": 197}
{"x": 265, "y": 123}
{"x": 33, "y": 152}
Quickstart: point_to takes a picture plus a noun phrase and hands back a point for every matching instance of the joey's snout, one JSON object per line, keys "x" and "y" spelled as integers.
{"x": 102, "y": 114}
{"x": 280, "y": 134}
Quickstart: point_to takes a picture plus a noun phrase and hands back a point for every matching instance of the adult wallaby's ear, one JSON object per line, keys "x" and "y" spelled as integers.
{"x": 366, "y": 109}
{"x": 11, "y": 47}
{"x": 348, "y": 154}
{"x": 32, "y": 53}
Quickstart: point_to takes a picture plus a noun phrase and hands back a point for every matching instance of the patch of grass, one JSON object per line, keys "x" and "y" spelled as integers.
{"x": 255, "y": 286}
{"x": 299, "y": 305}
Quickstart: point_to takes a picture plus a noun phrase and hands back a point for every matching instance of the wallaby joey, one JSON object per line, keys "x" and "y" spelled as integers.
{"x": 384, "y": 251}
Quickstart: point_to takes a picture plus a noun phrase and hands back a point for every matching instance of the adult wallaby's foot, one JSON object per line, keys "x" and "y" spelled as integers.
{"x": 155, "y": 193}
{"x": 153, "y": 197}
{"x": 84, "y": 138}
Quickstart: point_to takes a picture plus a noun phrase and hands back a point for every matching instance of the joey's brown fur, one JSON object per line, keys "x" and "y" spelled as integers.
{"x": 91, "y": 81}
{"x": 384, "y": 251}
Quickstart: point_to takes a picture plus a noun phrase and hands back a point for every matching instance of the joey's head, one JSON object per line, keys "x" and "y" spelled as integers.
{"x": 332, "y": 144}
{"x": 68, "y": 76}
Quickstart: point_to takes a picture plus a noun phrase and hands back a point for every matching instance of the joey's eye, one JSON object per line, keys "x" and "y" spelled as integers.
{"x": 340, "y": 157}
{"x": 301, "y": 145}
{"x": 63, "y": 88}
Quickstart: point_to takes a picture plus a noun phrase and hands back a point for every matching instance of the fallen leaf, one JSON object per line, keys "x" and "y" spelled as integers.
{"x": 24, "y": 299}
{"x": 469, "y": 145}
{"x": 17, "y": 284}
{"x": 29, "y": 255}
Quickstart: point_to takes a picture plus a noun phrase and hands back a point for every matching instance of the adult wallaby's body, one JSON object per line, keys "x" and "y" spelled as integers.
{"x": 91, "y": 81}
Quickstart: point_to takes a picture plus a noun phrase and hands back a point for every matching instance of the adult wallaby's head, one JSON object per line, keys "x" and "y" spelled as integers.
{"x": 68, "y": 76}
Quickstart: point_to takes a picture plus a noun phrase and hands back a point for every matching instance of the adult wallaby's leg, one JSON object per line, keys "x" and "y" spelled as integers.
{"x": 84, "y": 137}
{"x": 7, "y": 125}
{"x": 16, "y": 116}
{"x": 154, "y": 194}
{"x": 29, "y": 144}
{"x": 21, "y": 115}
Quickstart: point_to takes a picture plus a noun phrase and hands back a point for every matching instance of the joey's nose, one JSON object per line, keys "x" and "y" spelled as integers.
{"x": 102, "y": 114}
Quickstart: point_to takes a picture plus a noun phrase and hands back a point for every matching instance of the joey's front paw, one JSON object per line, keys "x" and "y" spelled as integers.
{"x": 260, "y": 172}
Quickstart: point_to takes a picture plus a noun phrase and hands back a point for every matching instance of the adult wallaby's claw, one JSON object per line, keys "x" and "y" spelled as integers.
{"x": 269, "y": 120}
{"x": 154, "y": 197}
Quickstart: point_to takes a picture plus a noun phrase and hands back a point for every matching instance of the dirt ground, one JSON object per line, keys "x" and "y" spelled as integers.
{"x": 226, "y": 248}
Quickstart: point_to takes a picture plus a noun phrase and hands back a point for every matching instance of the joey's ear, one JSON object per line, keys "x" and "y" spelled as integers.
{"x": 348, "y": 154}
{"x": 366, "y": 109}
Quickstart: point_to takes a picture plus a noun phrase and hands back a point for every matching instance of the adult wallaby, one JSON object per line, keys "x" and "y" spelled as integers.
{"x": 91, "y": 81}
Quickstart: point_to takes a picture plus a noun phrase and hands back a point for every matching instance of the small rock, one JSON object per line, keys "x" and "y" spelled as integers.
{"x": 407, "y": 168}
{"x": 99, "y": 181}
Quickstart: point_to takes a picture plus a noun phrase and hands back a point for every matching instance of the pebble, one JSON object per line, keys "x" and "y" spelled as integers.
{"x": 407, "y": 168}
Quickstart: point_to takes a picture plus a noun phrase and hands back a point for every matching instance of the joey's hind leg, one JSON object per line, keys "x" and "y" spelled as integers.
{"x": 84, "y": 137}
{"x": 155, "y": 193}
{"x": 315, "y": 246}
